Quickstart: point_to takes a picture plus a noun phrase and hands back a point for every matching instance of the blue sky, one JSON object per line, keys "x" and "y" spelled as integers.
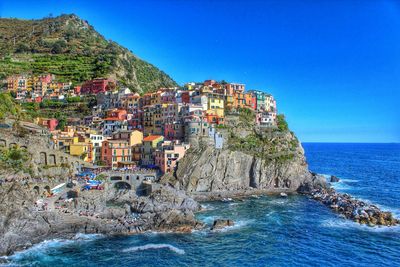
{"x": 333, "y": 66}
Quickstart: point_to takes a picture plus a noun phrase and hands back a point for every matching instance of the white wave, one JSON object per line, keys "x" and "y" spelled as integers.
{"x": 341, "y": 186}
{"x": 349, "y": 180}
{"x": 155, "y": 246}
{"x": 348, "y": 224}
{"x": 207, "y": 207}
{"x": 237, "y": 225}
{"x": 328, "y": 178}
{"x": 41, "y": 249}
{"x": 208, "y": 219}
{"x": 325, "y": 175}
{"x": 86, "y": 237}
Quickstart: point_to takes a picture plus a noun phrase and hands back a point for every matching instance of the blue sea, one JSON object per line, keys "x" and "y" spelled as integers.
{"x": 269, "y": 231}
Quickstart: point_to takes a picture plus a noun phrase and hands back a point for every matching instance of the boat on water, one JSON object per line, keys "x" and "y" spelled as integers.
{"x": 283, "y": 194}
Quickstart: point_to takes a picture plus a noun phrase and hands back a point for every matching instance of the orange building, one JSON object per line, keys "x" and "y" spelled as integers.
{"x": 232, "y": 88}
{"x": 239, "y": 100}
{"x": 114, "y": 151}
{"x": 250, "y": 101}
{"x": 118, "y": 114}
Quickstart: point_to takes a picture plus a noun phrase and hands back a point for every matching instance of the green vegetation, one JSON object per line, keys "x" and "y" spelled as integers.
{"x": 101, "y": 177}
{"x": 7, "y": 106}
{"x": 60, "y": 110}
{"x": 272, "y": 144}
{"x": 14, "y": 158}
{"x": 247, "y": 117}
{"x": 71, "y": 49}
{"x": 281, "y": 122}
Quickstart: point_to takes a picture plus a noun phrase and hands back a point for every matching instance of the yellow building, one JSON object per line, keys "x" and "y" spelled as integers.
{"x": 215, "y": 105}
{"x": 82, "y": 149}
{"x": 229, "y": 102}
{"x": 134, "y": 137}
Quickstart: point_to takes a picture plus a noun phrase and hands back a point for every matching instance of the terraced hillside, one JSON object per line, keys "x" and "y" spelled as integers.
{"x": 72, "y": 49}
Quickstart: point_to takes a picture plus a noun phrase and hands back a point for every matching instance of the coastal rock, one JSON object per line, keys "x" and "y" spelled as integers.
{"x": 105, "y": 212}
{"x": 353, "y": 209}
{"x": 206, "y": 170}
{"x": 221, "y": 223}
{"x": 334, "y": 179}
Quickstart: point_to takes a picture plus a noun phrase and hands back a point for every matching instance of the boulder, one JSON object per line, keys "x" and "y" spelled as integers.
{"x": 334, "y": 179}
{"x": 221, "y": 223}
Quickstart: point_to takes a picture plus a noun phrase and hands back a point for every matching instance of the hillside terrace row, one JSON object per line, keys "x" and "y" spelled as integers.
{"x": 127, "y": 130}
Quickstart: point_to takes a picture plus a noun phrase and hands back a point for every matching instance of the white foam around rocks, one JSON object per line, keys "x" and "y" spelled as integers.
{"x": 155, "y": 246}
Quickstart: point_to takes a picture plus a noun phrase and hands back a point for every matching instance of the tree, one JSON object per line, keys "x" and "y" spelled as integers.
{"x": 22, "y": 48}
{"x": 62, "y": 121}
{"x": 58, "y": 47}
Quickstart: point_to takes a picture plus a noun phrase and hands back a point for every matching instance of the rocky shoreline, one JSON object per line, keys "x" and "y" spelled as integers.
{"x": 353, "y": 209}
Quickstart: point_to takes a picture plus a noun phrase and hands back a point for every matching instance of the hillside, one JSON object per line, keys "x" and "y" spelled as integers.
{"x": 70, "y": 48}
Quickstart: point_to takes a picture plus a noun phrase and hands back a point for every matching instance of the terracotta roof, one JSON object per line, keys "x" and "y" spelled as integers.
{"x": 113, "y": 119}
{"x": 152, "y": 137}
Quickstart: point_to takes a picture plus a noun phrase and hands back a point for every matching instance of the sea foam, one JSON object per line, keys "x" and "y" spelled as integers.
{"x": 344, "y": 223}
{"x": 155, "y": 246}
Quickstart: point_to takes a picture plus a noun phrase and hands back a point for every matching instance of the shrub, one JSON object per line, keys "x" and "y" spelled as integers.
{"x": 281, "y": 122}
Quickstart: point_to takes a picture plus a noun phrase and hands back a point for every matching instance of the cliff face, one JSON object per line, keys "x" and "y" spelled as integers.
{"x": 208, "y": 170}
{"x": 251, "y": 160}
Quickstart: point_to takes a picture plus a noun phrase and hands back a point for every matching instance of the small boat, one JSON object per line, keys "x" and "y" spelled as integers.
{"x": 227, "y": 199}
{"x": 283, "y": 194}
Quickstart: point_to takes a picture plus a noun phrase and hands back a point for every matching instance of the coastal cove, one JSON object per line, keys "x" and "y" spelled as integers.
{"x": 268, "y": 230}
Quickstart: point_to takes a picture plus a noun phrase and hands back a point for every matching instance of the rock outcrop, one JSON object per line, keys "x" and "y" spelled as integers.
{"x": 109, "y": 212}
{"x": 220, "y": 224}
{"x": 205, "y": 169}
{"x": 353, "y": 209}
{"x": 334, "y": 179}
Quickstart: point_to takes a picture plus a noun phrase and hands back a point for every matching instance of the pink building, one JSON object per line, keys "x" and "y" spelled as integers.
{"x": 173, "y": 131}
{"x": 169, "y": 154}
{"x": 96, "y": 86}
{"x": 50, "y": 124}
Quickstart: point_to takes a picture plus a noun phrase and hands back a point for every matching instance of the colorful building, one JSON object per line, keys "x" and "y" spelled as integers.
{"x": 250, "y": 101}
{"x": 83, "y": 148}
{"x": 134, "y": 137}
{"x": 150, "y": 144}
{"x": 216, "y": 108}
{"x": 96, "y": 86}
{"x": 114, "y": 151}
{"x": 168, "y": 154}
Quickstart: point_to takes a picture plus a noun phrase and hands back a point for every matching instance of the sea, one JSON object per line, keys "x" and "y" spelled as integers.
{"x": 268, "y": 231}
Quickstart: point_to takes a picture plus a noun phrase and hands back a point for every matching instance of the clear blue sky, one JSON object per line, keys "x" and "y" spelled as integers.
{"x": 333, "y": 66}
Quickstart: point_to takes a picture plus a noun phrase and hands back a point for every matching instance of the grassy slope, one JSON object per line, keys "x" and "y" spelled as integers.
{"x": 70, "y": 48}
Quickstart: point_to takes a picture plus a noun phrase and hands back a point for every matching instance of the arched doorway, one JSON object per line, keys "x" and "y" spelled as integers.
{"x": 43, "y": 158}
{"x": 122, "y": 186}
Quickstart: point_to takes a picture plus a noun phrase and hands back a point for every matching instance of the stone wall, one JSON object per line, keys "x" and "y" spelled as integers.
{"x": 46, "y": 159}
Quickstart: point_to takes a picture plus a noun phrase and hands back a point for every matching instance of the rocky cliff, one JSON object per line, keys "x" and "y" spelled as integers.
{"x": 252, "y": 159}
{"x": 102, "y": 212}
